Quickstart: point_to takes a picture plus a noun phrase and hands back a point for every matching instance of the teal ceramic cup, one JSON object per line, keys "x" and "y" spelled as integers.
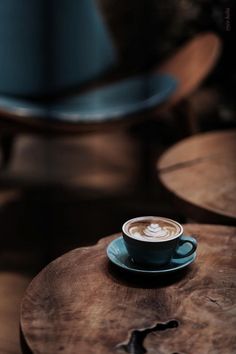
{"x": 156, "y": 241}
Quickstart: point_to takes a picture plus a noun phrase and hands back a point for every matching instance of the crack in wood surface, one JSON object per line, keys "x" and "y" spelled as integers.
{"x": 135, "y": 343}
{"x": 214, "y": 301}
{"x": 187, "y": 163}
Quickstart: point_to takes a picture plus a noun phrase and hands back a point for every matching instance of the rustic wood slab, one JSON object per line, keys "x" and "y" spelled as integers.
{"x": 81, "y": 304}
{"x": 191, "y": 64}
{"x": 12, "y": 288}
{"x": 201, "y": 172}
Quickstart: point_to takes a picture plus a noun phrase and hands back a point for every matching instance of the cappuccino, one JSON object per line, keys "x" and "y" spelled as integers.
{"x": 154, "y": 240}
{"x": 152, "y": 229}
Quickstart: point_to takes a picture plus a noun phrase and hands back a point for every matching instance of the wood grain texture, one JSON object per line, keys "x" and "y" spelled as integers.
{"x": 191, "y": 64}
{"x": 12, "y": 287}
{"x": 201, "y": 172}
{"x": 80, "y": 303}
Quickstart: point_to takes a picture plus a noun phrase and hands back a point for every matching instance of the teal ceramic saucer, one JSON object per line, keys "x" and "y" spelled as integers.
{"x": 118, "y": 255}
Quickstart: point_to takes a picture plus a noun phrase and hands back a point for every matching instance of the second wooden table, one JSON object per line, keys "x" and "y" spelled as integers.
{"x": 201, "y": 172}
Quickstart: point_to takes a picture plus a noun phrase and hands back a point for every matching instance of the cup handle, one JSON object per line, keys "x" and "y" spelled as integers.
{"x": 182, "y": 241}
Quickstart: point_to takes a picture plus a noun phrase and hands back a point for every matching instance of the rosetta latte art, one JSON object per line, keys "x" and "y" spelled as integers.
{"x": 153, "y": 231}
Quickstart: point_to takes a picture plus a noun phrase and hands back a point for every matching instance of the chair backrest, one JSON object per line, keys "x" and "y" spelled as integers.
{"x": 50, "y": 45}
{"x": 84, "y": 48}
{"x": 21, "y": 46}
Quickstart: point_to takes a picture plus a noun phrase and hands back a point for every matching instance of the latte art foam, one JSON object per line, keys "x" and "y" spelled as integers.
{"x": 152, "y": 231}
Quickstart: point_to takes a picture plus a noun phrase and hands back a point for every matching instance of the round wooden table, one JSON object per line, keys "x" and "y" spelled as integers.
{"x": 201, "y": 173}
{"x": 80, "y": 303}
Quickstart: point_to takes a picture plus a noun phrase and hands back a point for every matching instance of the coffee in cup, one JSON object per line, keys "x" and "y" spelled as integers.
{"x": 153, "y": 240}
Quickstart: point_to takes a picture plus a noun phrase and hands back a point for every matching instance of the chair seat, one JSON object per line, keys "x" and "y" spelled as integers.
{"x": 116, "y": 100}
{"x": 113, "y": 101}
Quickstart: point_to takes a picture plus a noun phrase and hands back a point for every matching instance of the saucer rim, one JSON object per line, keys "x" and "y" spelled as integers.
{"x": 147, "y": 271}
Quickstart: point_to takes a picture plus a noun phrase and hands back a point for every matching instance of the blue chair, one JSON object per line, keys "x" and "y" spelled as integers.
{"x": 49, "y": 49}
